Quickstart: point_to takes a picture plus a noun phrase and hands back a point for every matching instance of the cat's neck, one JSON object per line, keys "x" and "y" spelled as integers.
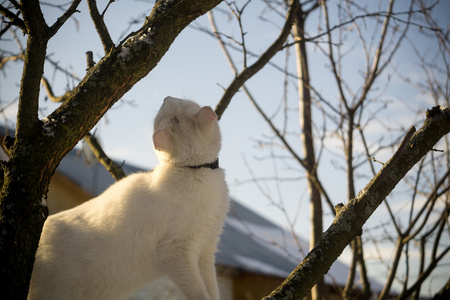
{"x": 212, "y": 166}
{"x": 206, "y": 166}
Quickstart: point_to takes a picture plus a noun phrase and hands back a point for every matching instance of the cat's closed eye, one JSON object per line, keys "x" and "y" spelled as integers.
{"x": 175, "y": 120}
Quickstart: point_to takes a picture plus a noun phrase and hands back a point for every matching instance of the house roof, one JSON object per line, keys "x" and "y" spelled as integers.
{"x": 249, "y": 241}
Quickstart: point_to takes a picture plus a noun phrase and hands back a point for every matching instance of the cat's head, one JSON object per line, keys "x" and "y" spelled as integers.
{"x": 186, "y": 134}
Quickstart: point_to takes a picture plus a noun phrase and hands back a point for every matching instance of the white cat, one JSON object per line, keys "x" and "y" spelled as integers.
{"x": 147, "y": 225}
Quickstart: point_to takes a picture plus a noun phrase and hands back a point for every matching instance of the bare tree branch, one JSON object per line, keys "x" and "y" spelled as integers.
{"x": 100, "y": 25}
{"x": 406, "y": 294}
{"x": 50, "y": 93}
{"x": 114, "y": 169}
{"x": 373, "y": 73}
{"x": 14, "y": 18}
{"x": 444, "y": 293}
{"x": 6, "y": 59}
{"x": 61, "y": 20}
{"x": 306, "y": 136}
{"x": 351, "y": 217}
{"x": 37, "y": 30}
{"x": 247, "y": 73}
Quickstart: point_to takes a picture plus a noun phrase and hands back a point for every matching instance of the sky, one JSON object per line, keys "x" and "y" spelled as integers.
{"x": 195, "y": 68}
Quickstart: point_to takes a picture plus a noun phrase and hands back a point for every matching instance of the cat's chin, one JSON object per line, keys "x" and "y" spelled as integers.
{"x": 163, "y": 157}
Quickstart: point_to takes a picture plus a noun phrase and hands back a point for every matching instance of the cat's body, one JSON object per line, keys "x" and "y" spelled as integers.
{"x": 148, "y": 225}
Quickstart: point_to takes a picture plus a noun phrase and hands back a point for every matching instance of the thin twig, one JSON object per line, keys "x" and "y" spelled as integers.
{"x": 113, "y": 168}
{"x": 247, "y": 73}
{"x": 50, "y": 93}
{"x": 100, "y": 25}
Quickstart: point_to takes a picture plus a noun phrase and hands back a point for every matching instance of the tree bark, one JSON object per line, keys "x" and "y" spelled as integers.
{"x": 351, "y": 217}
{"x": 40, "y": 145}
{"x": 306, "y": 122}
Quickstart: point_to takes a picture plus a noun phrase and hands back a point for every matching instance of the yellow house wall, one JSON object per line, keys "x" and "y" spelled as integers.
{"x": 64, "y": 194}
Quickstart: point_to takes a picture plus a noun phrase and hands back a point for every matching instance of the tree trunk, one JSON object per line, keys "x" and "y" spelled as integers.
{"x": 307, "y": 140}
{"x": 356, "y": 244}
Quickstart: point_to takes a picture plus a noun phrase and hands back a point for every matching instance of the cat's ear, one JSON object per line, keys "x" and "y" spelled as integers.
{"x": 205, "y": 115}
{"x": 162, "y": 140}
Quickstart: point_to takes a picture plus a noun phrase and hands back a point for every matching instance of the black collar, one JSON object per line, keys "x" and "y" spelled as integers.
{"x": 213, "y": 165}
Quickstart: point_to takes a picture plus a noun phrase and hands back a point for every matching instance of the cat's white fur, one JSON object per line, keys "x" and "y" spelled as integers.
{"x": 147, "y": 225}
